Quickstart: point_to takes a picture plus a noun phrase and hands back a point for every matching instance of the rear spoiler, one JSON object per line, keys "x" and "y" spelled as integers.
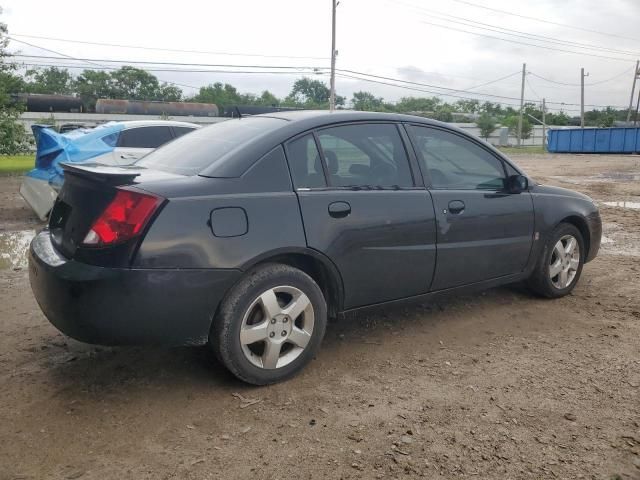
{"x": 101, "y": 173}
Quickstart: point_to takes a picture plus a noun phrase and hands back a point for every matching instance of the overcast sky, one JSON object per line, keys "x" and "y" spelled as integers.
{"x": 392, "y": 38}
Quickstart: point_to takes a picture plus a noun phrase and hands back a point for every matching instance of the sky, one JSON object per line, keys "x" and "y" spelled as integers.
{"x": 445, "y": 44}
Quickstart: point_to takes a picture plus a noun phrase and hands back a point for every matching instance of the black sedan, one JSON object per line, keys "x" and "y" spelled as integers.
{"x": 248, "y": 234}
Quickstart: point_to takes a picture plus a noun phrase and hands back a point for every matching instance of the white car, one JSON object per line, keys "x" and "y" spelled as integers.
{"x": 114, "y": 143}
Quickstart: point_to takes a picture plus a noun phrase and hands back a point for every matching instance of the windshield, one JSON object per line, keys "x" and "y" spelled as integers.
{"x": 192, "y": 153}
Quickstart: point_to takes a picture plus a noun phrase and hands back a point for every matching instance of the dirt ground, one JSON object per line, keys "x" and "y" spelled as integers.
{"x": 494, "y": 385}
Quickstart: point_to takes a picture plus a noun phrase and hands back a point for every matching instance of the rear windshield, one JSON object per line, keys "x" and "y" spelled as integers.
{"x": 190, "y": 154}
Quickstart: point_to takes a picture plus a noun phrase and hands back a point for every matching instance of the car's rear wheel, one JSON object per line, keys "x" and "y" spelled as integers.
{"x": 270, "y": 324}
{"x": 560, "y": 264}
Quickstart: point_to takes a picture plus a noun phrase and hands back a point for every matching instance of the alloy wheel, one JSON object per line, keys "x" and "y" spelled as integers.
{"x": 277, "y": 327}
{"x": 565, "y": 261}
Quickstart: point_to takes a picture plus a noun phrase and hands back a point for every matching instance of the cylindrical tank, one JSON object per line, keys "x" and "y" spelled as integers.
{"x": 37, "y": 102}
{"x": 137, "y": 107}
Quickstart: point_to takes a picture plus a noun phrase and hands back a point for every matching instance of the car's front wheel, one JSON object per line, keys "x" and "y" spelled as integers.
{"x": 560, "y": 263}
{"x": 270, "y": 324}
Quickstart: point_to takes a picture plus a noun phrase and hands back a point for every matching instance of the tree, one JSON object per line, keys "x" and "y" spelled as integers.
{"x": 486, "y": 124}
{"x": 418, "y": 104}
{"x": 512, "y": 123}
{"x": 218, "y": 93}
{"x": 367, "y": 101}
{"x": 309, "y": 93}
{"x": 13, "y": 138}
{"x": 91, "y": 85}
{"x": 131, "y": 83}
{"x": 468, "y": 106}
{"x": 52, "y": 80}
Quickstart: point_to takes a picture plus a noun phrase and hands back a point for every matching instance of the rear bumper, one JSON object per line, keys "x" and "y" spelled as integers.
{"x": 109, "y": 306}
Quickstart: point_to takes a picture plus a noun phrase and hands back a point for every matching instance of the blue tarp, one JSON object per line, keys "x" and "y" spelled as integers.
{"x": 77, "y": 146}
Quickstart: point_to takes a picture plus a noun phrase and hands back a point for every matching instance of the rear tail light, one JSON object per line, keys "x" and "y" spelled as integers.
{"x": 123, "y": 219}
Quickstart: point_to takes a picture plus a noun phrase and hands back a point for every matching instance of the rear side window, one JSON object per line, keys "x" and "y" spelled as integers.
{"x": 365, "y": 155}
{"x": 455, "y": 163}
{"x": 179, "y": 131}
{"x": 112, "y": 139}
{"x": 202, "y": 148}
{"x": 145, "y": 137}
{"x": 305, "y": 163}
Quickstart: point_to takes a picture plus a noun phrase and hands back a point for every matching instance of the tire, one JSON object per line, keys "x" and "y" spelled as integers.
{"x": 263, "y": 315}
{"x": 541, "y": 280}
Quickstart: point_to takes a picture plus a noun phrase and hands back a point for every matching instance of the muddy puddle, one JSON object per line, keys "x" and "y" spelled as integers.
{"x": 599, "y": 178}
{"x": 623, "y": 204}
{"x": 14, "y": 247}
{"x": 618, "y": 241}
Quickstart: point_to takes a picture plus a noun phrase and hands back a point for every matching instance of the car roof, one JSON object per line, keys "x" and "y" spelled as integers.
{"x": 323, "y": 117}
{"x": 152, "y": 123}
{"x": 297, "y": 122}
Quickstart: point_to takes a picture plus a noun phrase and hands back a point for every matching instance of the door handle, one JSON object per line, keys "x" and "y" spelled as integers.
{"x": 339, "y": 209}
{"x": 456, "y": 206}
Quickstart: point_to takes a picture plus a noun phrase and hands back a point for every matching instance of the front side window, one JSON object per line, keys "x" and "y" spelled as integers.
{"x": 365, "y": 155}
{"x": 305, "y": 163}
{"x": 455, "y": 163}
{"x": 144, "y": 137}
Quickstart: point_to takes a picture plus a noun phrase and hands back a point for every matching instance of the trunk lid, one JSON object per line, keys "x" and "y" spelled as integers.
{"x": 87, "y": 191}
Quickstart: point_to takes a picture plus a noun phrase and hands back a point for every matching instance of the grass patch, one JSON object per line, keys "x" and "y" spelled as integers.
{"x": 16, "y": 164}
{"x": 528, "y": 149}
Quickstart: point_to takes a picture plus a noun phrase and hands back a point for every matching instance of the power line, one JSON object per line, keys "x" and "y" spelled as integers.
{"x": 565, "y": 25}
{"x": 586, "y": 84}
{"x": 532, "y": 89}
{"x": 493, "y": 81}
{"x": 516, "y": 33}
{"x": 146, "y": 62}
{"x": 177, "y": 50}
{"x": 90, "y": 62}
{"x": 425, "y": 84}
{"x": 523, "y": 43}
{"x": 176, "y": 70}
{"x": 460, "y": 90}
{"x": 304, "y": 70}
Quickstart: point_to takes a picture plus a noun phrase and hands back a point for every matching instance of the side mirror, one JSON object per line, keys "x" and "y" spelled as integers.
{"x": 517, "y": 184}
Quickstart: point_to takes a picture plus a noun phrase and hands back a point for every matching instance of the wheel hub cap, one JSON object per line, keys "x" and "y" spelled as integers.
{"x": 277, "y": 327}
{"x": 564, "y": 263}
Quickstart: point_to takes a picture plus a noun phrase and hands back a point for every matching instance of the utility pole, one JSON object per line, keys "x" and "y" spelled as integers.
{"x": 544, "y": 123}
{"x": 582, "y": 75}
{"x": 636, "y": 74}
{"x": 635, "y": 119}
{"x": 332, "y": 94}
{"x": 524, "y": 72}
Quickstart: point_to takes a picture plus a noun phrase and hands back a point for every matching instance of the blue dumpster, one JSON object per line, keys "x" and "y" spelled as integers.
{"x": 595, "y": 140}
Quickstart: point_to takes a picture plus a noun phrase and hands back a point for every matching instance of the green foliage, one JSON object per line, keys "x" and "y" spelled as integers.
{"x": 512, "y": 123}
{"x": 418, "y": 104}
{"x": 13, "y": 137}
{"x": 468, "y": 106}
{"x": 307, "y": 93}
{"x": 218, "y": 93}
{"x": 486, "y": 124}
{"x": 366, "y": 101}
{"x": 91, "y": 85}
{"x": 50, "y": 80}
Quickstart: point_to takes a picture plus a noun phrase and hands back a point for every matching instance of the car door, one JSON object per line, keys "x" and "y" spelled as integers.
{"x": 135, "y": 143}
{"x": 483, "y": 232}
{"x": 361, "y": 207}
